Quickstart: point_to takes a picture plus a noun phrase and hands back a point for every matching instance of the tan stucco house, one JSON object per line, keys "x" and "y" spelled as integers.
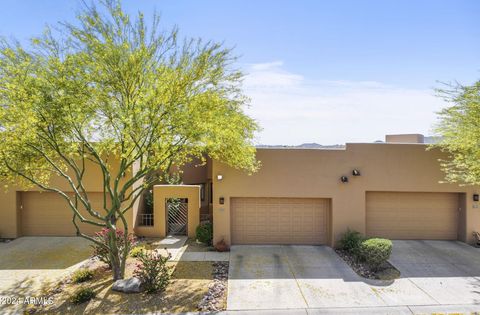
{"x": 299, "y": 196}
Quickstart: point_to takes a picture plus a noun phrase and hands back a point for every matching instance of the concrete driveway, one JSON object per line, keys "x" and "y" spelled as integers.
{"x": 28, "y": 263}
{"x": 314, "y": 277}
{"x": 449, "y": 272}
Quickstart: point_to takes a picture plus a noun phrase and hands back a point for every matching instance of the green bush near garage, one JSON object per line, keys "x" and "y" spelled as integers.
{"x": 204, "y": 233}
{"x": 351, "y": 242}
{"x": 375, "y": 252}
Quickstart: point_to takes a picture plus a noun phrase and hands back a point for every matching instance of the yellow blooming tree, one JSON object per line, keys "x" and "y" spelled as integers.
{"x": 109, "y": 86}
{"x": 459, "y": 131}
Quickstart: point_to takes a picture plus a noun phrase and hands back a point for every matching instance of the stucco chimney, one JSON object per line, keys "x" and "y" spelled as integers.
{"x": 405, "y": 138}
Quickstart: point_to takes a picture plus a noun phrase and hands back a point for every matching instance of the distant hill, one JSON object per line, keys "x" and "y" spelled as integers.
{"x": 313, "y": 145}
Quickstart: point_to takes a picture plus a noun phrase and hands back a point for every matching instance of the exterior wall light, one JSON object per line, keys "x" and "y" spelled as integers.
{"x": 476, "y": 197}
{"x": 219, "y": 177}
{"x": 344, "y": 179}
{"x": 356, "y": 172}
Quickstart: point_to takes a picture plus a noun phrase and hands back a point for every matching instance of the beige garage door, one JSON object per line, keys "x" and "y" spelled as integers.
{"x": 398, "y": 215}
{"x": 48, "y": 213}
{"x": 279, "y": 221}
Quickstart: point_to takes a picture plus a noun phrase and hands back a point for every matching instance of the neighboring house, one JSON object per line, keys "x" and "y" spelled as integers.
{"x": 39, "y": 213}
{"x": 297, "y": 197}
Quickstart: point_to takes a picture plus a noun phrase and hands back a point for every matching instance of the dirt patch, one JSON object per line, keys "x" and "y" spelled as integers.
{"x": 190, "y": 283}
{"x": 193, "y": 246}
{"x": 386, "y": 272}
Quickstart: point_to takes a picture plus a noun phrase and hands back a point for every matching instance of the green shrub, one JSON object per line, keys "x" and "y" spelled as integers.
{"x": 351, "y": 241}
{"x": 82, "y": 275}
{"x": 153, "y": 271}
{"x": 82, "y": 295}
{"x": 135, "y": 252}
{"x": 375, "y": 252}
{"x": 204, "y": 233}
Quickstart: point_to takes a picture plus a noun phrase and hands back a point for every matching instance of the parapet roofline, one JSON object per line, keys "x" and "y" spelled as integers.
{"x": 340, "y": 148}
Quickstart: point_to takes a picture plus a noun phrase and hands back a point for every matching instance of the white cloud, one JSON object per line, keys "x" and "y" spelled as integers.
{"x": 270, "y": 75}
{"x": 293, "y": 110}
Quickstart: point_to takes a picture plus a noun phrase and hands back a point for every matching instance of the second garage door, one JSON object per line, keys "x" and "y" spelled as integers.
{"x": 279, "y": 220}
{"x": 47, "y": 213}
{"x": 401, "y": 215}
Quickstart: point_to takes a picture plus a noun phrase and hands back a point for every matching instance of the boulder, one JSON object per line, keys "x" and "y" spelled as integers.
{"x": 131, "y": 285}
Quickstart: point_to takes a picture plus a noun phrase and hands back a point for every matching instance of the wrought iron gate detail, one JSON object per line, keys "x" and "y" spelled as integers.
{"x": 177, "y": 216}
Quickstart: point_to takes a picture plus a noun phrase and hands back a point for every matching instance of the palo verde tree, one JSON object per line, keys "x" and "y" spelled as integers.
{"x": 459, "y": 133}
{"x": 106, "y": 88}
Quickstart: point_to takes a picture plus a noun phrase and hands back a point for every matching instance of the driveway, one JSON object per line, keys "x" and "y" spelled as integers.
{"x": 314, "y": 277}
{"x": 29, "y": 263}
{"x": 448, "y": 271}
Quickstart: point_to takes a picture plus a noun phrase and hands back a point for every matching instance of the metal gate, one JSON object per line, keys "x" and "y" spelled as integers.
{"x": 177, "y": 214}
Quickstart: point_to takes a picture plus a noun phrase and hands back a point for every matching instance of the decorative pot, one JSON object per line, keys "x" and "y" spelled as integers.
{"x": 221, "y": 246}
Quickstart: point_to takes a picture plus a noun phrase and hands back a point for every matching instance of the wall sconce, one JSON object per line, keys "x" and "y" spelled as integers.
{"x": 344, "y": 179}
{"x": 476, "y": 197}
{"x": 219, "y": 177}
{"x": 356, "y": 172}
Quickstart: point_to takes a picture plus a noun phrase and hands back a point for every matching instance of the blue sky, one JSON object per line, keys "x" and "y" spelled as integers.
{"x": 318, "y": 71}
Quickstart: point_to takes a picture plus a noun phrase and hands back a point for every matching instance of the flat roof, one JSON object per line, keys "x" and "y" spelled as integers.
{"x": 334, "y": 147}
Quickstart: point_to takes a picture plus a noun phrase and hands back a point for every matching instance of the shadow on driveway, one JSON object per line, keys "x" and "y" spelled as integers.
{"x": 43, "y": 253}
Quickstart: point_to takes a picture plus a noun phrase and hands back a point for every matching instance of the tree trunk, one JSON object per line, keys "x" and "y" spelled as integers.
{"x": 116, "y": 259}
{"x": 117, "y": 271}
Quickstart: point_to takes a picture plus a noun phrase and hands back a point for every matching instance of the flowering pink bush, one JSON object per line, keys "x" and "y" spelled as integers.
{"x": 103, "y": 236}
{"x": 153, "y": 271}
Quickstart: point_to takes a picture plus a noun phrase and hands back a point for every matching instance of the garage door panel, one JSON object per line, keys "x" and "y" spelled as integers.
{"x": 279, "y": 220}
{"x": 45, "y": 213}
{"x": 399, "y": 215}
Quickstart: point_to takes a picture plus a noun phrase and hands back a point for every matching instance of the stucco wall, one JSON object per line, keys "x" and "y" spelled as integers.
{"x": 311, "y": 173}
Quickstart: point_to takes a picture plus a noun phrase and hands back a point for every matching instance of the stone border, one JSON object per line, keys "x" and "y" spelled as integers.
{"x": 217, "y": 290}
{"x": 362, "y": 269}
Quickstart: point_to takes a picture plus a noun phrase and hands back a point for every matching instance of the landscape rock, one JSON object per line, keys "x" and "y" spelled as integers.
{"x": 212, "y": 301}
{"x": 89, "y": 263}
{"x": 131, "y": 285}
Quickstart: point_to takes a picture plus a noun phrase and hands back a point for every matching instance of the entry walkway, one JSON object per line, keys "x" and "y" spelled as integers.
{"x": 179, "y": 249}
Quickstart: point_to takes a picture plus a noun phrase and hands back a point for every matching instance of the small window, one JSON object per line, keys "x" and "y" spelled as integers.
{"x": 145, "y": 219}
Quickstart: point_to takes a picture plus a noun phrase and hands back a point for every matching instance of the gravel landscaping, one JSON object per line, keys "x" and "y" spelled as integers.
{"x": 195, "y": 286}
{"x": 386, "y": 272}
{"x": 191, "y": 282}
{"x": 215, "y": 299}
